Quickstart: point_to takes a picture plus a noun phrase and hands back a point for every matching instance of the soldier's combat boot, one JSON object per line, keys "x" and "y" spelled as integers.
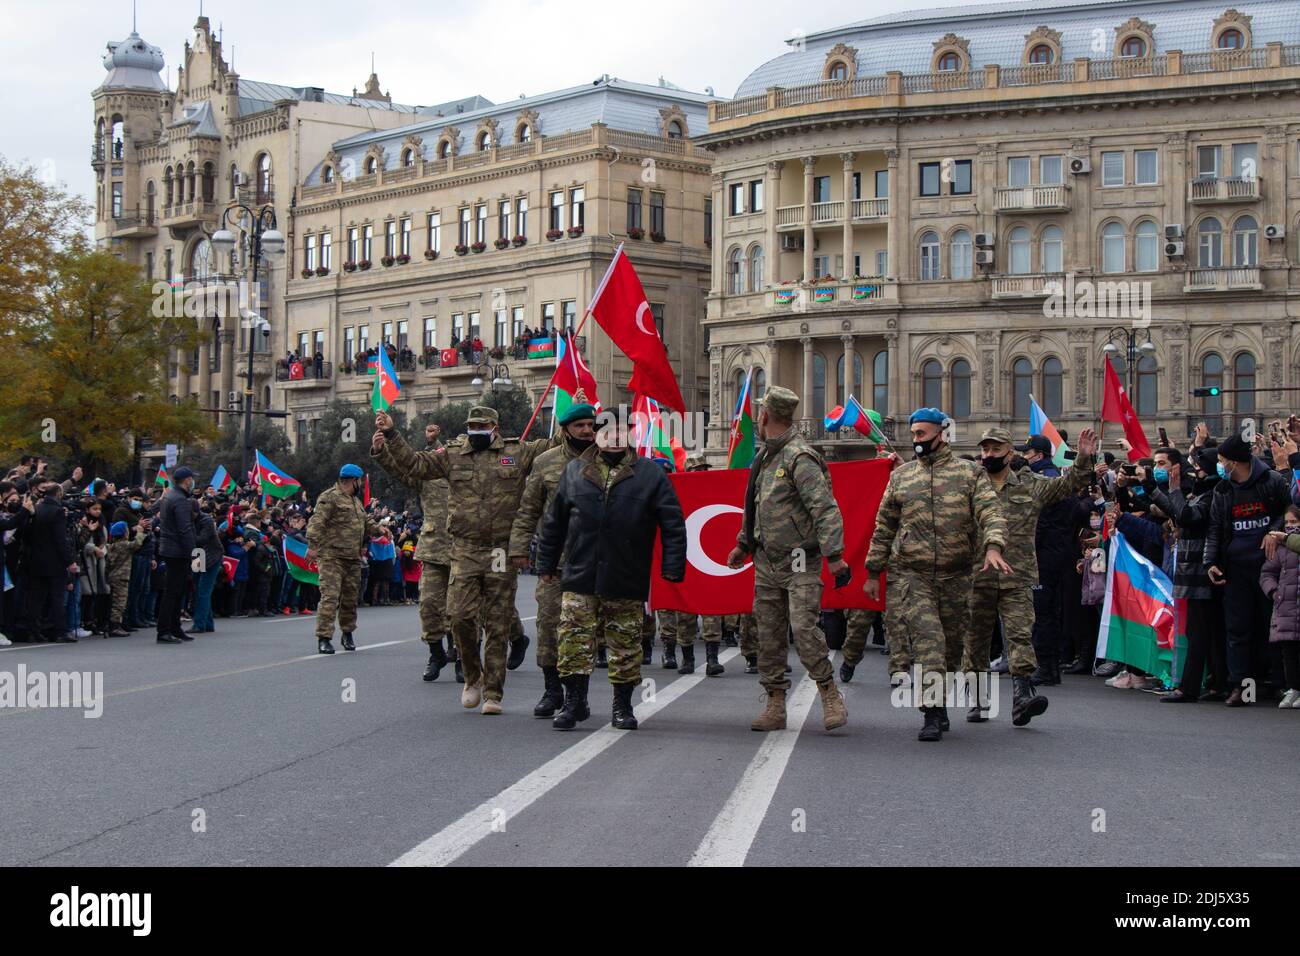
{"x": 602, "y": 656}
{"x": 846, "y": 672}
{"x": 623, "y": 718}
{"x": 978, "y": 713}
{"x": 460, "y": 672}
{"x": 944, "y": 724}
{"x": 729, "y": 637}
{"x": 452, "y": 653}
{"x": 437, "y": 661}
{"x": 688, "y": 659}
{"x": 575, "y": 702}
{"x": 323, "y": 646}
{"x": 670, "y": 656}
{"x": 751, "y": 663}
{"x": 712, "y": 666}
{"x": 518, "y": 649}
{"x": 1025, "y": 702}
{"x": 773, "y": 715}
{"x": 647, "y": 651}
{"x": 472, "y": 694}
{"x": 931, "y": 730}
{"x": 834, "y": 713}
{"x": 347, "y": 643}
{"x": 553, "y": 696}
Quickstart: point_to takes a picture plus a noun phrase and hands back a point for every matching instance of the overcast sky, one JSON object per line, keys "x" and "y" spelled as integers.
{"x": 53, "y": 51}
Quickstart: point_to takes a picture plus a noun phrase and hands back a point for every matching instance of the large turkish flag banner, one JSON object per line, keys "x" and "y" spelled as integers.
{"x": 713, "y": 503}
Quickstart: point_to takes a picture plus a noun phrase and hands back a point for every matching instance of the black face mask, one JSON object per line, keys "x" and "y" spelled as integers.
{"x": 995, "y": 465}
{"x": 480, "y": 442}
{"x": 579, "y": 445}
{"x": 923, "y": 448}
{"x": 612, "y": 458}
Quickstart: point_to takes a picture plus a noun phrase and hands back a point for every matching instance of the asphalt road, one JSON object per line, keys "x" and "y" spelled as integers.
{"x": 240, "y": 749}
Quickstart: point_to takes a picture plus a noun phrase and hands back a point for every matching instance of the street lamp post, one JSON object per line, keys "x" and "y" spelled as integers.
{"x": 265, "y": 241}
{"x": 1133, "y": 341}
{"x": 500, "y": 375}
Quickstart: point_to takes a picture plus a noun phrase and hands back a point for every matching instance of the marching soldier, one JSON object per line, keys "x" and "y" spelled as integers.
{"x": 1022, "y": 496}
{"x": 485, "y": 476}
{"x": 791, "y": 522}
{"x": 578, "y": 426}
{"x": 434, "y": 554}
{"x": 337, "y": 535}
{"x": 742, "y": 625}
{"x": 668, "y": 635}
{"x": 943, "y": 505}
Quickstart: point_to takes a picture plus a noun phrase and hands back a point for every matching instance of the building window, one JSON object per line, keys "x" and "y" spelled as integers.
{"x": 148, "y": 266}
{"x": 1018, "y": 171}
{"x": 1112, "y": 168}
{"x": 372, "y": 165}
{"x": 430, "y": 333}
{"x": 568, "y": 314}
{"x": 263, "y": 179}
{"x": 1245, "y": 160}
{"x": 406, "y": 237}
{"x": 929, "y": 179}
{"x": 737, "y": 203}
{"x": 756, "y": 269}
{"x": 386, "y": 333}
{"x": 880, "y": 382}
{"x": 1231, "y": 40}
{"x": 961, "y": 178}
{"x": 1212, "y": 375}
{"x": 557, "y": 212}
{"x": 949, "y": 63}
{"x": 1146, "y": 247}
{"x": 367, "y": 241}
{"x": 1245, "y": 242}
{"x": 960, "y": 255}
{"x": 349, "y": 343}
{"x": 856, "y": 388}
{"x": 117, "y": 200}
{"x": 1209, "y": 244}
{"x": 1112, "y": 248}
{"x": 1207, "y": 162}
{"x": 932, "y": 384}
{"x": 756, "y": 195}
{"x": 657, "y": 224}
{"x": 1052, "y": 390}
{"x": 1133, "y": 46}
{"x": 390, "y": 237}
{"x": 819, "y": 386}
{"x": 516, "y": 321}
{"x": 1051, "y": 250}
{"x": 326, "y": 260}
{"x": 403, "y": 333}
{"x": 961, "y": 389}
{"x": 882, "y": 183}
{"x": 708, "y": 220}
{"x": 435, "y": 232}
{"x": 839, "y": 70}
{"x": 1050, "y": 170}
{"x": 503, "y": 219}
{"x": 462, "y": 227}
{"x": 735, "y": 273}
{"x": 484, "y": 141}
{"x": 1145, "y": 172}
{"x": 657, "y": 314}
{"x": 500, "y": 329}
{"x": 480, "y": 223}
{"x": 309, "y": 252}
{"x": 524, "y": 134}
{"x": 363, "y": 338}
{"x": 821, "y": 189}
{"x": 1145, "y": 385}
{"x": 1243, "y": 380}
{"x": 1018, "y": 257}
{"x": 444, "y": 149}
{"x": 521, "y": 215}
{"x": 633, "y": 209}
{"x": 548, "y": 317}
{"x": 457, "y": 327}
{"x": 577, "y": 208}
{"x": 930, "y": 256}
{"x": 1022, "y": 383}
{"x": 352, "y": 244}
{"x": 821, "y": 266}
{"x": 1042, "y": 54}
{"x": 474, "y": 331}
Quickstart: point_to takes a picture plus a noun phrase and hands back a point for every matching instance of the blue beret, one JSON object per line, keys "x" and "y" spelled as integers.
{"x": 932, "y": 415}
{"x": 351, "y": 471}
{"x": 117, "y": 529}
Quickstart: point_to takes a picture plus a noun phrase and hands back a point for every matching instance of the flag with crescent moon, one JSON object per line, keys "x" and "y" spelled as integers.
{"x": 571, "y": 374}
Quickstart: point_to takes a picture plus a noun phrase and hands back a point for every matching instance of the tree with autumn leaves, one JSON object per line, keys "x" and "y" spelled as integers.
{"x": 84, "y": 362}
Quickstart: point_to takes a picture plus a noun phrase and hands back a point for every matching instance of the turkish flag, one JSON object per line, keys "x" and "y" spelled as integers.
{"x": 713, "y": 503}
{"x": 1115, "y": 407}
{"x": 449, "y": 357}
{"x": 572, "y": 373}
{"x": 621, "y": 308}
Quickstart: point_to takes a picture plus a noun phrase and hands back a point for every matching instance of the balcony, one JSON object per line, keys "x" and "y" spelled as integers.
{"x": 1026, "y": 286}
{"x": 1226, "y": 189}
{"x": 303, "y": 375}
{"x": 814, "y": 430}
{"x": 830, "y": 292}
{"x": 1222, "y": 280}
{"x": 135, "y": 224}
{"x": 194, "y": 213}
{"x": 405, "y": 363}
{"x": 1032, "y": 198}
{"x": 870, "y": 209}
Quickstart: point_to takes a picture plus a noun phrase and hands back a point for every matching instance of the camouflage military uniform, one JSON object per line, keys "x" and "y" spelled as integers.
{"x": 120, "y": 554}
{"x": 709, "y": 630}
{"x": 794, "y": 523}
{"x": 743, "y": 627}
{"x": 434, "y": 554}
{"x": 858, "y": 623}
{"x": 1022, "y": 496}
{"x": 338, "y": 530}
{"x": 943, "y": 513}
{"x": 483, "y": 496}
{"x": 586, "y": 617}
{"x": 538, "y": 494}
{"x": 667, "y": 627}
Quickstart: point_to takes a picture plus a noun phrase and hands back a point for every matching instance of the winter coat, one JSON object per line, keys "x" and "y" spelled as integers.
{"x": 205, "y": 537}
{"x": 1191, "y": 513}
{"x": 1280, "y": 581}
{"x": 94, "y": 566}
{"x": 1241, "y": 514}
{"x": 237, "y": 552}
{"x": 176, "y": 526}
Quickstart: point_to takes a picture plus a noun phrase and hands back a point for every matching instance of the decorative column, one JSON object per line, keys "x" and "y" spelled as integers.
{"x": 808, "y": 162}
{"x": 717, "y": 425}
{"x": 848, "y": 269}
{"x": 773, "y": 197}
{"x": 894, "y": 403}
{"x": 205, "y": 368}
{"x": 719, "y": 261}
{"x": 806, "y": 396}
{"x": 897, "y": 224}
{"x": 227, "y": 339}
{"x": 848, "y": 368}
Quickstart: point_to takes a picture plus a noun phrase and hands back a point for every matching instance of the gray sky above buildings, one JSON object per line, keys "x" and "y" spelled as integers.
{"x": 53, "y": 51}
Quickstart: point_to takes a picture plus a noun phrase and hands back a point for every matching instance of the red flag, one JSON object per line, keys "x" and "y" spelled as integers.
{"x": 713, "y": 504}
{"x": 1115, "y": 407}
{"x": 365, "y": 498}
{"x": 621, "y": 308}
{"x": 572, "y": 373}
{"x": 230, "y": 566}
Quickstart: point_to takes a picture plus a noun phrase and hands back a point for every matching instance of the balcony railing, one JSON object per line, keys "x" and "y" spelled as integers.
{"x": 1034, "y": 74}
{"x": 1222, "y": 280}
{"x": 1224, "y": 189}
{"x": 1032, "y": 198}
{"x": 943, "y": 82}
{"x": 831, "y": 213}
{"x": 814, "y": 429}
{"x": 789, "y": 216}
{"x": 828, "y": 292}
{"x": 870, "y": 208}
{"x": 1025, "y": 286}
{"x": 305, "y": 372}
{"x": 1218, "y": 61}
{"x": 1124, "y": 67}
{"x": 824, "y": 212}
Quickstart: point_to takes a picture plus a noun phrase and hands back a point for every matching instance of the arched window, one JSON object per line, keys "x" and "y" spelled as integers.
{"x": 484, "y": 141}
{"x": 735, "y": 272}
{"x": 839, "y": 71}
{"x": 1112, "y": 247}
{"x": 327, "y": 174}
{"x": 209, "y": 182}
{"x": 756, "y": 269}
{"x": 759, "y": 384}
{"x": 674, "y": 130}
{"x": 1052, "y": 390}
{"x": 264, "y": 178}
{"x": 1245, "y": 241}
{"x": 524, "y": 134}
{"x": 190, "y": 182}
{"x": 1051, "y": 250}
{"x": 856, "y": 388}
{"x": 1145, "y": 386}
{"x": 819, "y": 408}
{"x": 1243, "y": 378}
{"x": 950, "y": 62}
{"x": 1146, "y": 247}
{"x": 932, "y": 384}
{"x": 738, "y": 388}
{"x": 168, "y": 184}
{"x": 960, "y": 389}
{"x": 1209, "y": 243}
{"x": 1042, "y": 54}
{"x": 1133, "y": 46}
{"x": 408, "y": 157}
{"x": 960, "y": 256}
{"x": 930, "y": 256}
{"x": 880, "y": 382}
{"x": 1022, "y": 383}
{"x": 1211, "y": 375}
{"x": 372, "y": 165}
{"x": 1231, "y": 40}
{"x": 1018, "y": 251}
{"x": 444, "y": 149}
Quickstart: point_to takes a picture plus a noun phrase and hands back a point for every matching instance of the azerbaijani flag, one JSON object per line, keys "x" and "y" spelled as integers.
{"x": 221, "y": 480}
{"x": 275, "y": 482}
{"x": 1139, "y": 619}
{"x": 571, "y": 374}
{"x": 90, "y": 488}
{"x": 651, "y": 439}
{"x": 163, "y": 478}
{"x": 740, "y": 449}
{"x": 383, "y": 550}
{"x": 864, "y": 421}
{"x": 298, "y": 565}
{"x": 386, "y": 387}
{"x": 543, "y": 347}
{"x": 1040, "y": 424}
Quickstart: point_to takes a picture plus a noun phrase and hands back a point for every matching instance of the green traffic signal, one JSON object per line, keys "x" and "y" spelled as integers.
{"x": 1211, "y": 391}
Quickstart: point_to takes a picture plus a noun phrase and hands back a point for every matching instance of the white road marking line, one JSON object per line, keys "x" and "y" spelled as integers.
{"x": 733, "y": 830}
{"x": 453, "y": 841}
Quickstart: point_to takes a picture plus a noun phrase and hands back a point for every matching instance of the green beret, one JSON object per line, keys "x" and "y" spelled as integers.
{"x": 578, "y": 413}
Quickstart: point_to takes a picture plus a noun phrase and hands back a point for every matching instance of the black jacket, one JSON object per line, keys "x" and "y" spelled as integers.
{"x": 1191, "y": 512}
{"x": 205, "y": 537}
{"x": 1240, "y": 515}
{"x": 1053, "y": 542}
{"x": 47, "y": 552}
{"x": 607, "y": 535}
{"x": 176, "y": 527}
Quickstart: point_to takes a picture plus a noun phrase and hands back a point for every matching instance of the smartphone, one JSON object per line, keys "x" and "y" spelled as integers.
{"x": 1164, "y": 436}
{"x": 1130, "y": 470}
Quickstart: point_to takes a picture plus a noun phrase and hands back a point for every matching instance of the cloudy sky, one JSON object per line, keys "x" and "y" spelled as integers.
{"x": 424, "y": 53}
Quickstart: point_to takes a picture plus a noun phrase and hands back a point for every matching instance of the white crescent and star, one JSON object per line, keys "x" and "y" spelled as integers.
{"x": 644, "y": 309}
{"x": 695, "y": 554}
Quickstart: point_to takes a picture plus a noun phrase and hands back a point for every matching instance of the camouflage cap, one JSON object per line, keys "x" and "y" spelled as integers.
{"x": 781, "y": 401}
{"x": 696, "y": 462}
{"x": 482, "y": 415}
{"x": 996, "y": 434}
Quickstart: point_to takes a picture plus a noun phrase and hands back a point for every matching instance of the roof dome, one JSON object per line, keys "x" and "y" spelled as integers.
{"x": 133, "y": 64}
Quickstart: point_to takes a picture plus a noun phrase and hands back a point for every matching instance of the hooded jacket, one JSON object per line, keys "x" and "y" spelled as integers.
{"x": 1241, "y": 514}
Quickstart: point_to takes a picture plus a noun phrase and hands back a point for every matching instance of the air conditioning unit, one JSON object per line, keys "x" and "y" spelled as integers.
{"x": 984, "y": 257}
{"x": 1174, "y": 230}
{"x": 983, "y": 240}
{"x": 240, "y": 178}
{"x": 1275, "y": 231}
{"x": 790, "y": 243}
{"x": 1174, "y": 248}
{"x": 1080, "y": 165}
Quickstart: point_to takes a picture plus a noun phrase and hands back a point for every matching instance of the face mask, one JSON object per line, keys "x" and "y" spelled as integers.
{"x": 135, "y": 506}
{"x": 580, "y": 445}
{"x": 479, "y": 440}
{"x": 1160, "y": 474}
{"x": 924, "y": 448}
{"x": 994, "y": 465}
{"x": 1292, "y": 528}
{"x": 1223, "y": 472}
{"x": 612, "y": 458}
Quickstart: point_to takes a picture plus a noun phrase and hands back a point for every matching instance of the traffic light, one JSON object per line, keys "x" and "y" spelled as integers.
{"x": 1211, "y": 391}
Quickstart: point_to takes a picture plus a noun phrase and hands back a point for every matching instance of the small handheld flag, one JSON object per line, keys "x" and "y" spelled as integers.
{"x": 386, "y": 387}
{"x": 299, "y": 566}
{"x": 1040, "y": 424}
{"x": 864, "y": 421}
{"x": 275, "y": 482}
{"x": 163, "y": 478}
{"x": 740, "y": 449}
{"x": 221, "y": 480}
